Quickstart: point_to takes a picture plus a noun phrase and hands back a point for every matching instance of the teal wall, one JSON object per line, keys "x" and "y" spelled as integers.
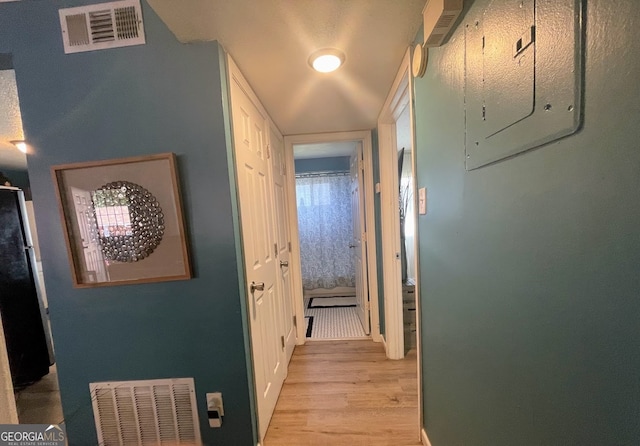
{"x": 328, "y": 164}
{"x": 160, "y": 97}
{"x": 378, "y": 229}
{"x": 529, "y": 267}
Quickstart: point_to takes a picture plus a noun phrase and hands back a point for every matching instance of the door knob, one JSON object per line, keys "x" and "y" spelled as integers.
{"x": 257, "y": 286}
{"x": 284, "y": 263}
{"x": 352, "y": 246}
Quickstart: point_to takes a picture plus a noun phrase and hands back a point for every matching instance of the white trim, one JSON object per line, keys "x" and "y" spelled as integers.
{"x": 424, "y": 438}
{"x": 399, "y": 98}
{"x": 397, "y": 101}
{"x": 365, "y": 137}
{"x": 416, "y": 246}
{"x": 8, "y": 411}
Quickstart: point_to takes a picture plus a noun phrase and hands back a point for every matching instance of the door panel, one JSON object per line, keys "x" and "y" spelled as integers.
{"x": 283, "y": 241}
{"x": 358, "y": 244}
{"x": 258, "y": 231}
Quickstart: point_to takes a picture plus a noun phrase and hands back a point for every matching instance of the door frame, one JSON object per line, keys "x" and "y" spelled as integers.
{"x": 398, "y": 99}
{"x": 400, "y": 96}
{"x": 8, "y": 410}
{"x": 364, "y": 137}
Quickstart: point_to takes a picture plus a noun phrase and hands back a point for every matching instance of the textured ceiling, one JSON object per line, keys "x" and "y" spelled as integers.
{"x": 10, "y": 123}
{"x": 271, "y": 41}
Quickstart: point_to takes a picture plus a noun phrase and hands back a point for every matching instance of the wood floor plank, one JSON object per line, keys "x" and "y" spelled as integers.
{"x": 346, "y": 393}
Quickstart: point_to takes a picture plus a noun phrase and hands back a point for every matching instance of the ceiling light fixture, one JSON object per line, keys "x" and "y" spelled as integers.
{"x": 326, "y": 60}
{"x": 20, "y": 145}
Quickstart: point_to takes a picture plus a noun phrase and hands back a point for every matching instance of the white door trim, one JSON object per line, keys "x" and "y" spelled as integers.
{"x": 8, "y": 411}
{"x": 399, "y": 97}
{"x": 397, "y": 100}
{"x": 365, "y": 137}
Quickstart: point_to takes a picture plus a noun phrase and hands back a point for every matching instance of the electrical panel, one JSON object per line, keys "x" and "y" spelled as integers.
{"x": 523, "y": 77}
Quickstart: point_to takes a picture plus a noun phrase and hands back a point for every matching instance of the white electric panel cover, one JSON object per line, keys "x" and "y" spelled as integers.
{"x": 523, "y": 77}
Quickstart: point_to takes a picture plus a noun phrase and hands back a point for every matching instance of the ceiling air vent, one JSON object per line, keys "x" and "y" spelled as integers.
{"x": 152, "y": 412}
{"x": 439, "y": 17}
{"x": 101, "y": 26}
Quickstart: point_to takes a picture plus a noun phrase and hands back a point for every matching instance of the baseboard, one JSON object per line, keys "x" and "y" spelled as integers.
{"x": 425, "y": 439}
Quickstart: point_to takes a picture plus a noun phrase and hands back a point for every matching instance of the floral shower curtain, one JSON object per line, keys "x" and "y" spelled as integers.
{"x": 325, "y": 227}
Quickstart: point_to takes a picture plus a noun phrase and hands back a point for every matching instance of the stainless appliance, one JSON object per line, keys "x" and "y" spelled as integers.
{"x": 21, "y": 308}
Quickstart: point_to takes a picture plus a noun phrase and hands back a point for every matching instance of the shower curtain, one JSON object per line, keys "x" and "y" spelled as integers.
{"x": 325, "y": 227}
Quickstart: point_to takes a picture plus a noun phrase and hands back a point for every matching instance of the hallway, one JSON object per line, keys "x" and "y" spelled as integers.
{"x": 346, "y": 393}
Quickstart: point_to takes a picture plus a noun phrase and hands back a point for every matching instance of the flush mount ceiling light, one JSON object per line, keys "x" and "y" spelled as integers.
{"x": 20, "y": 145}
{"x": 326, "y": 60}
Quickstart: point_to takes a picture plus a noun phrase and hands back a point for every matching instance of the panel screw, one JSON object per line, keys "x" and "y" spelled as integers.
{"x": 570, "y": 108}
{"x": 547, "y": 107}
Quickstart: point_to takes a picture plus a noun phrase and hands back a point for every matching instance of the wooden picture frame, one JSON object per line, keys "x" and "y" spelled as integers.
{"x": 123, "y": 221}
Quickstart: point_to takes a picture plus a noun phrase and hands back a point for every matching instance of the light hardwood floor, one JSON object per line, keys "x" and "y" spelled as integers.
{"x": 346, "y": 393}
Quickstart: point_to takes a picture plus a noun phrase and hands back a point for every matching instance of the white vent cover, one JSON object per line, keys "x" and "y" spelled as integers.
{"x": 152, "y": 412}
{"x": 439, "y": 17}
{"x": 101, "y": 26}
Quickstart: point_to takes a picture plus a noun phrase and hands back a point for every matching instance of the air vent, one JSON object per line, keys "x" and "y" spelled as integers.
{"x": 439, "y": 17}
{"x": 102, "y": 26}
{"x": 152, "y": 412}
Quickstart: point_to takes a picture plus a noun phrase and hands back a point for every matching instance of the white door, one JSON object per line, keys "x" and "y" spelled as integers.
{"x": 358, "y": 244}
{"x": 95, "y": 270}
{"x": 283, "y": 240}
{"x": 255, "y": 189}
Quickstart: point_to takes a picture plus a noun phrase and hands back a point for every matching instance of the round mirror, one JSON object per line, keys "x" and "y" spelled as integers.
{"x": 129, "y": 221}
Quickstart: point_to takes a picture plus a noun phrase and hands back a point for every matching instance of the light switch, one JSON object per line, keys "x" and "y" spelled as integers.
{"x": 422, "y": 201}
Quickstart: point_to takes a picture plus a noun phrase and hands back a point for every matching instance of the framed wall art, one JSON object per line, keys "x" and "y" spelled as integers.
{"x": 123, "y": 220}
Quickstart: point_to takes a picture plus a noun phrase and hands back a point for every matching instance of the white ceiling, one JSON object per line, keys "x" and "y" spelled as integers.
{"x": 10, "y": 123}
{"x": 271, "y": 41}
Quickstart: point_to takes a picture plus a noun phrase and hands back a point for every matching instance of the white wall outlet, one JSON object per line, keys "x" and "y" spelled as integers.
{"x": 215, "y": 409}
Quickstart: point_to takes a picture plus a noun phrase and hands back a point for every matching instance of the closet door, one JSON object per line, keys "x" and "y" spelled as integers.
{"x": 259, "y": 242}
{"x": 283, "y": 239}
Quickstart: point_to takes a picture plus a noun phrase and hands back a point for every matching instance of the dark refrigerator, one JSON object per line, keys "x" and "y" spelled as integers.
{"x": 21, "y": 308}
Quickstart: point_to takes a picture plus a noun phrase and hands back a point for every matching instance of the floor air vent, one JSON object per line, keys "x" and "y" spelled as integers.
{"x": 101, "y": 26}
{"x": 152, "y": 412}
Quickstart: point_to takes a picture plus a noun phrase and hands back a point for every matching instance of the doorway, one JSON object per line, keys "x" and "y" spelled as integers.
{"x": 333, "y": 258}
{"x": 399, "y": 217}
{"x": 328, "y": 212}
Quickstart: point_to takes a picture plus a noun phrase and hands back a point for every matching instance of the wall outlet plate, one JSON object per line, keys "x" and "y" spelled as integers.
{"x": 215, "y": 409}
